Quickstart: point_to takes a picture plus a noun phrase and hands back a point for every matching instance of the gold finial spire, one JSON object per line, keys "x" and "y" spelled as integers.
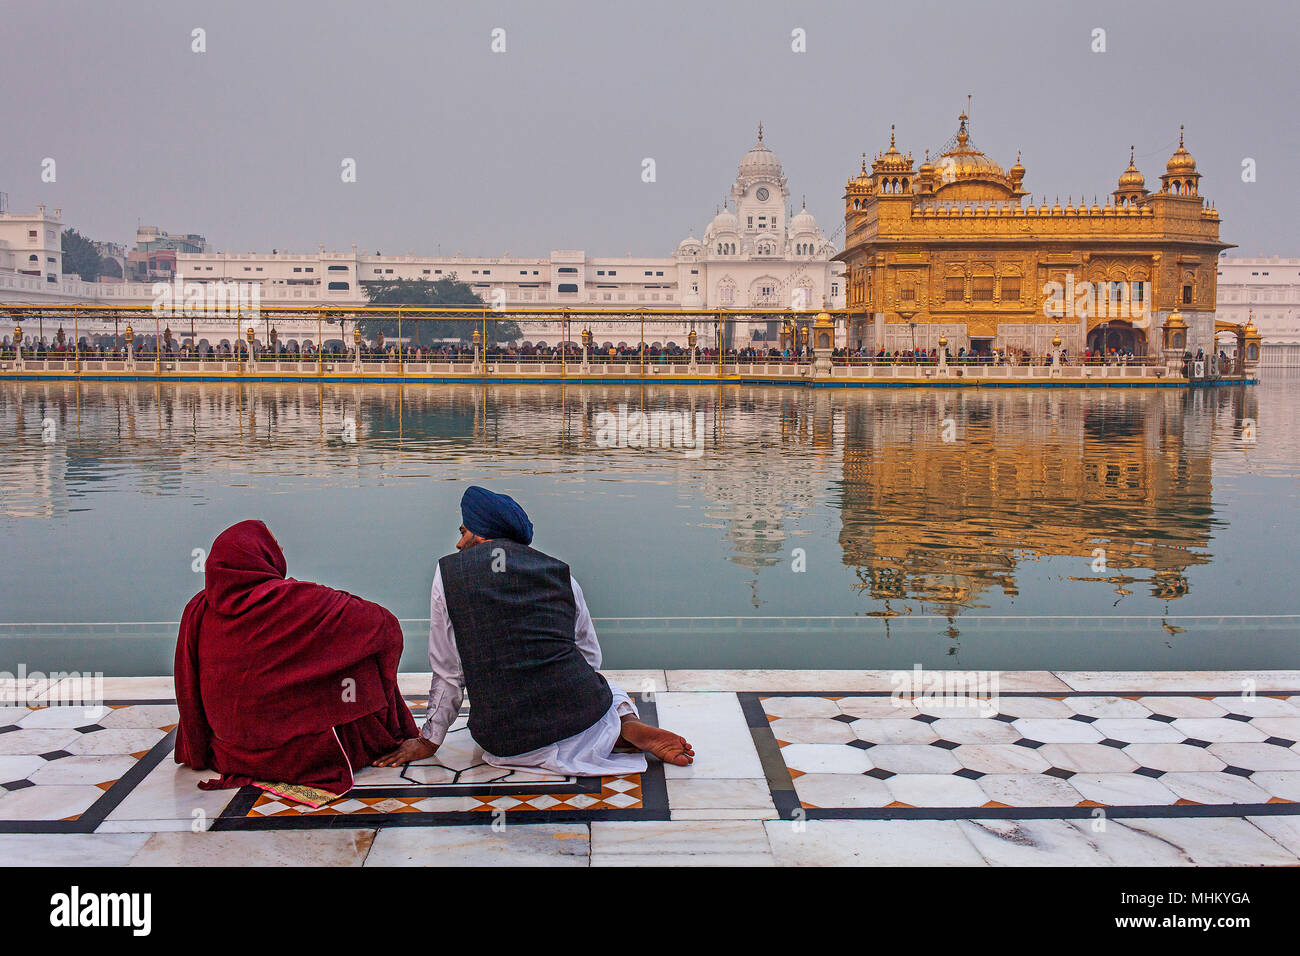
{"x": 1130, "y": 155}
{"x": 1180, "y": 135}
{"x": 891, "y": 135}
{"x": 760, "y": 131}
{"x": 864, "y": 164}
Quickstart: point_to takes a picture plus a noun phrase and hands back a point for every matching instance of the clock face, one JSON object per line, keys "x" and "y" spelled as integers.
{"x": 762, "y": 194}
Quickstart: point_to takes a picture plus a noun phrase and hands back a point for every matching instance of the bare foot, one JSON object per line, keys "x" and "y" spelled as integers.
{"x": 664, "y": 744}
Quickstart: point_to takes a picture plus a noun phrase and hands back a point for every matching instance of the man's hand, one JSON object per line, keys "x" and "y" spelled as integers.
{"x": 417, "y": 748}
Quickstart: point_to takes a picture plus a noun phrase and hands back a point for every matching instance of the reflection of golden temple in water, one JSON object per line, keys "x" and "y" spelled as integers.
{"x": 1027, "y": 475}
{"x": 1114, "y": 480}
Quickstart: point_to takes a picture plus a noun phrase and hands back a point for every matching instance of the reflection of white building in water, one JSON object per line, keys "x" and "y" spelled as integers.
{"x": 758, "y": 251}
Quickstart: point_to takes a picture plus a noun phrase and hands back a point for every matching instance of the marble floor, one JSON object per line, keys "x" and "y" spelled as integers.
{"x": 792, "y": 768}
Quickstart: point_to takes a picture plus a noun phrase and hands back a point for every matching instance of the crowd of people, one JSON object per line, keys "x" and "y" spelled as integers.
{"x": 597, "y": 354}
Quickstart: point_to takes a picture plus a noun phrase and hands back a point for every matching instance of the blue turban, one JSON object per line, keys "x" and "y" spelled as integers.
{"x": 490, "y": 515}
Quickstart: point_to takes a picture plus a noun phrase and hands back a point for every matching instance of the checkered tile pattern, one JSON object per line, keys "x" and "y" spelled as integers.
{"x": 57, "y": 762}
{"x": 1039, "y": 751}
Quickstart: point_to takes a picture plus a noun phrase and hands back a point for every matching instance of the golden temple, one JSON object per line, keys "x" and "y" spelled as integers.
{"x": 954, "y": 249}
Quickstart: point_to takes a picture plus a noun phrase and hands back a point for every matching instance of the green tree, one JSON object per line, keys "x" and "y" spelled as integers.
{"x": 80, "y": 256}
{"x": 445, "y": 292}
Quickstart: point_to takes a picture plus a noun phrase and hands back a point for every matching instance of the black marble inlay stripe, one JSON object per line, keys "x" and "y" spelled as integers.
{"x": 95, "y": 814}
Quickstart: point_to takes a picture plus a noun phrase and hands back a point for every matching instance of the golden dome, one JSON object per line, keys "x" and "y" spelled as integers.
{"x": 1182, "y": 161}
{"x": 962, "y": 171}
{"x": 1131, "y": 178}
{"x": 1017, "y": 172}
{"x": 927, "y": 168}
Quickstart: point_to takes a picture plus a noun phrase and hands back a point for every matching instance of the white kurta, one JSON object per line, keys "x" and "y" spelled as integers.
{"x": 586, "y": 754}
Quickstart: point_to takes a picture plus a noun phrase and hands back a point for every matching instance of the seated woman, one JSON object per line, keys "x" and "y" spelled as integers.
{"x": 282, "y": 680}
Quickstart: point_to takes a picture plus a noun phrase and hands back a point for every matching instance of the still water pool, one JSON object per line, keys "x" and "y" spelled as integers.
{"x": 990, "y": 528}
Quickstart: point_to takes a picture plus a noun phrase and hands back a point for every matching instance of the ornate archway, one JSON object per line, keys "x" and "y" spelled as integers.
{"x": 1118, "y": 336}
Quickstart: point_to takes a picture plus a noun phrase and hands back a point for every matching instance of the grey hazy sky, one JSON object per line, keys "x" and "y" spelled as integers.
{"x": 541, "y": 147}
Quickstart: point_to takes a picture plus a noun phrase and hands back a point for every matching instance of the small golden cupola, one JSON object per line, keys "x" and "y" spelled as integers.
{"x": 857, "y": 191}
{"x": 892, "y": 172}
{"x": 1016, "y": 174}
{"x": 1132, "y": 188}
{"x": 925, "y": 175}
{"x": 1181, "y": 177}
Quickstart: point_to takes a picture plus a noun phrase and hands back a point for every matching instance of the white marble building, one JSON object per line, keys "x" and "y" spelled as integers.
{"x": 757, "y": 252}
{"x": 31, "y": 246}
{"x": 1269, "y": 290}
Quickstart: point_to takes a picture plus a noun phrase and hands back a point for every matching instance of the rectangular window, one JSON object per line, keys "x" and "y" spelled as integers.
{"x": 981, "y": 289}
{"x": 1011, "y": 288}
{"x": 1187, "y": 295}
{"x": 570, "y": 270}
{"x": 907, "y": 294}
{"x": 954, "y": 288}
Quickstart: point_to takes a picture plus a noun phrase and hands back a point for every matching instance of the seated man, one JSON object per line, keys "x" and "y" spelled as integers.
{"x": 510, "y": 624}
{"x": 281, "y": 680}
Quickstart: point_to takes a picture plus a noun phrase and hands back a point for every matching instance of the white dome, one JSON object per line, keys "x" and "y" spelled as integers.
{"x": 803, "y": 221}
{"x": 723, "y": 222}
{"x": 689, "y": 246}
{"x": 760, "y": 162}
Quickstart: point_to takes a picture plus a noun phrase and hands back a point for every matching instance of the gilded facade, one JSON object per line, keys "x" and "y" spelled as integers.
{"x": 957, "y": 247}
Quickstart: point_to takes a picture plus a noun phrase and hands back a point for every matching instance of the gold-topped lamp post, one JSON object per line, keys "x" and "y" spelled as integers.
{"x": 252, "y": 357}
{"x": 823, "y": 341}
{"x": 129, "y": 336}
{"x": 586, "y": 344}
{"x": 18, "y": 346}
{"x": 1248, "y": 348}
{"x": 1056, "y": 351}
{"x": 356, "y": 346}
{"x": 691, "y": 339}
{"x": 943, "y": 354}
{"x": 478, "y": 341}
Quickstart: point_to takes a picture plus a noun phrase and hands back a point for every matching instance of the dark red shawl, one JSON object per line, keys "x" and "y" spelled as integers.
{"x": 283, "y": 680}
